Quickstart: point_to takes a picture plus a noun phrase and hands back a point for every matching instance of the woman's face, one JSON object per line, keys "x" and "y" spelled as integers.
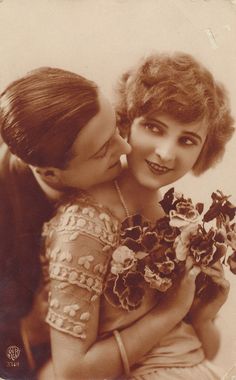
{"x": 163, "y": 149}
{"x": 96, "y": 151}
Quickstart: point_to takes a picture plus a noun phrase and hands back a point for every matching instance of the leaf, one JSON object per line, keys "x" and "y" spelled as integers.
{"x": 212, "y": 213}
{"x": 199, "y": 207}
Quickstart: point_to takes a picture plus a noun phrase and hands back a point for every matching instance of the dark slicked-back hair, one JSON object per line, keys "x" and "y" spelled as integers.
{"x": 181, "y": 87}
{"x": 42, "y": 113}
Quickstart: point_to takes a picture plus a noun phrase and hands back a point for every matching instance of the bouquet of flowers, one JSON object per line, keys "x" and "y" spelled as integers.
{"x": 154, "y": 255}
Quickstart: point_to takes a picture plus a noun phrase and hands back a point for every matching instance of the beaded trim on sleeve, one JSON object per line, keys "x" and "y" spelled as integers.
{"x": 75, "y": 220}
{"x": 61, "y": 272}
{"x": 66, "y": 325}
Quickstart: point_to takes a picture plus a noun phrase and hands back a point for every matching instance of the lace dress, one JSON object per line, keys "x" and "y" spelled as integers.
{"x": 79, "y": 242}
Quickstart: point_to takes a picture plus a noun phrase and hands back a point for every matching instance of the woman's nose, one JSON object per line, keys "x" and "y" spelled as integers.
{"x": 166, "y": 151}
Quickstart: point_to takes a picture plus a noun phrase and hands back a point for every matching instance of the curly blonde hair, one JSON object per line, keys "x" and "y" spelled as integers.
{"x": 183, "y": 88}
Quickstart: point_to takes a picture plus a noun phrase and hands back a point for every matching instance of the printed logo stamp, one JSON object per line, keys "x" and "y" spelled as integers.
{"x": 13, "y": 353}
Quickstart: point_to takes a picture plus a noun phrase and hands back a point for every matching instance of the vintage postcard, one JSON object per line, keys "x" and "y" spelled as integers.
{"x": 98, "y": 40}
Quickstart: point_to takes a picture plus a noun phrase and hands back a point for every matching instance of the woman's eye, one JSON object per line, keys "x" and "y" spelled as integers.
{"x": 154, "y": 128}
{"x": 187, "y": 141}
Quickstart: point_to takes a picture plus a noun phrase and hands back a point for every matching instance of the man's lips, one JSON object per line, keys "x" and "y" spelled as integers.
{"x": 158, "y": 169}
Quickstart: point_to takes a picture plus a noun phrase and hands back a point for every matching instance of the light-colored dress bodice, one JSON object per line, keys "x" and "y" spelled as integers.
{"x": 79, "y": 242}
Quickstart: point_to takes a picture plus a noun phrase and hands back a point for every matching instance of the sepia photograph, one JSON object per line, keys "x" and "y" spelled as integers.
{"x": 117, "y": 189}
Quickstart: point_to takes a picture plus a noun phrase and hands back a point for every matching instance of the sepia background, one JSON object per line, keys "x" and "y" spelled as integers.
{"x": 102, "y": 38}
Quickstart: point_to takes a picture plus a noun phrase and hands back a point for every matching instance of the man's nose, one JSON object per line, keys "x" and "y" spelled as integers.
{"x": 123, "y": 145}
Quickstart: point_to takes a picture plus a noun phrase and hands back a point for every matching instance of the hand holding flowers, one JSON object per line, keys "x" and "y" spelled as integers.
{"x": 203, "y": 310}
{"x": 155, "y": 255}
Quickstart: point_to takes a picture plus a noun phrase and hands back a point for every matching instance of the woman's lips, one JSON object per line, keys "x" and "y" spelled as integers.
{"x": 158, "y": 169}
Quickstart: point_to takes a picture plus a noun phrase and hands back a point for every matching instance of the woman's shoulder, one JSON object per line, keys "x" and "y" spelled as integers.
{"x": 83, "y": 215}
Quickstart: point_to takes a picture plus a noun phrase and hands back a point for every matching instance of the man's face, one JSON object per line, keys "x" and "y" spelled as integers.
{"x": 96, "y": 151}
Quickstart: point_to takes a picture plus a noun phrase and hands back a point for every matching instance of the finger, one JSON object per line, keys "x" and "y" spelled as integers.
{"x": 194, "y": 271}
{"x": 222, "y": 282}
{"x": 218, "y": 265}
{"x": 189, "y": 263}
{"x": 210, "y": 271}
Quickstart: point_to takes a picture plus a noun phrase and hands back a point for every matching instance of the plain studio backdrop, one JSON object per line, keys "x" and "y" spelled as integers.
{"x": 101, "y": 38}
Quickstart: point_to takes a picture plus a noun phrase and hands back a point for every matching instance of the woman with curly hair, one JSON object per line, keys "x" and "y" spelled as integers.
{"x": 177, "y": 118}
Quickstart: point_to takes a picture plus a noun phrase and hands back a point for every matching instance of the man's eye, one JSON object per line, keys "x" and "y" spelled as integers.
{"x": 102, "y": 152}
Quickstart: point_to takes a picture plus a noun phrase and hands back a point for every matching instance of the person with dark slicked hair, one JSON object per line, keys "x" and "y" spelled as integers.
{"x": 59, "y": 134}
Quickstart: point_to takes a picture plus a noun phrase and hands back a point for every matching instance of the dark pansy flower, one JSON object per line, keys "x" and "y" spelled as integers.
{"x": 132, "y": 298}
{"x": 201, "y": 246}
{"x": 232, "y": 262}
{"x": 149, "y": 240}
{"x": 167, "y": 201}
{"x": 165, "y": 267}
{"x": 184, "y": 214}
{"x": 110, "y": 290}
{"x": 125, "y": 291}
{"x": 220, "y": 207}
{"x": 154, "y": 255}
{"x": 229, "y": 210}
{"x": 207, "y": 247}
{"x": 166, "y": 233}
{"x": 123, "y": 259}
{"x": 133, "y": 221}
{"x": 137, "y": 235}
{"x": 162, "y": 252}
{"x": 156, "y": 281}
{"x": 231, "y": 235}
{"x": 134, "y": 233}
{"x": 132, "y": 244}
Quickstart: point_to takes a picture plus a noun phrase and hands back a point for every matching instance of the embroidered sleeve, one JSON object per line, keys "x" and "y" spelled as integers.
{"x": 79, "y": 241}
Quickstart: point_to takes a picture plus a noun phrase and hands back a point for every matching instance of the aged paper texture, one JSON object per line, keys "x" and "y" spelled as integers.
{"x": 100, "y": 39}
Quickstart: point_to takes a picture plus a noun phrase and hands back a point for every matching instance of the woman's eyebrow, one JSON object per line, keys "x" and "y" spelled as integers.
{"x": 156, "y": 121}
{"x": 193, "y": 134}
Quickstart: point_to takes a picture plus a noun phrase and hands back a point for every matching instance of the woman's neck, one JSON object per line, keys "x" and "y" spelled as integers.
{"x": 139, "y": 199}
